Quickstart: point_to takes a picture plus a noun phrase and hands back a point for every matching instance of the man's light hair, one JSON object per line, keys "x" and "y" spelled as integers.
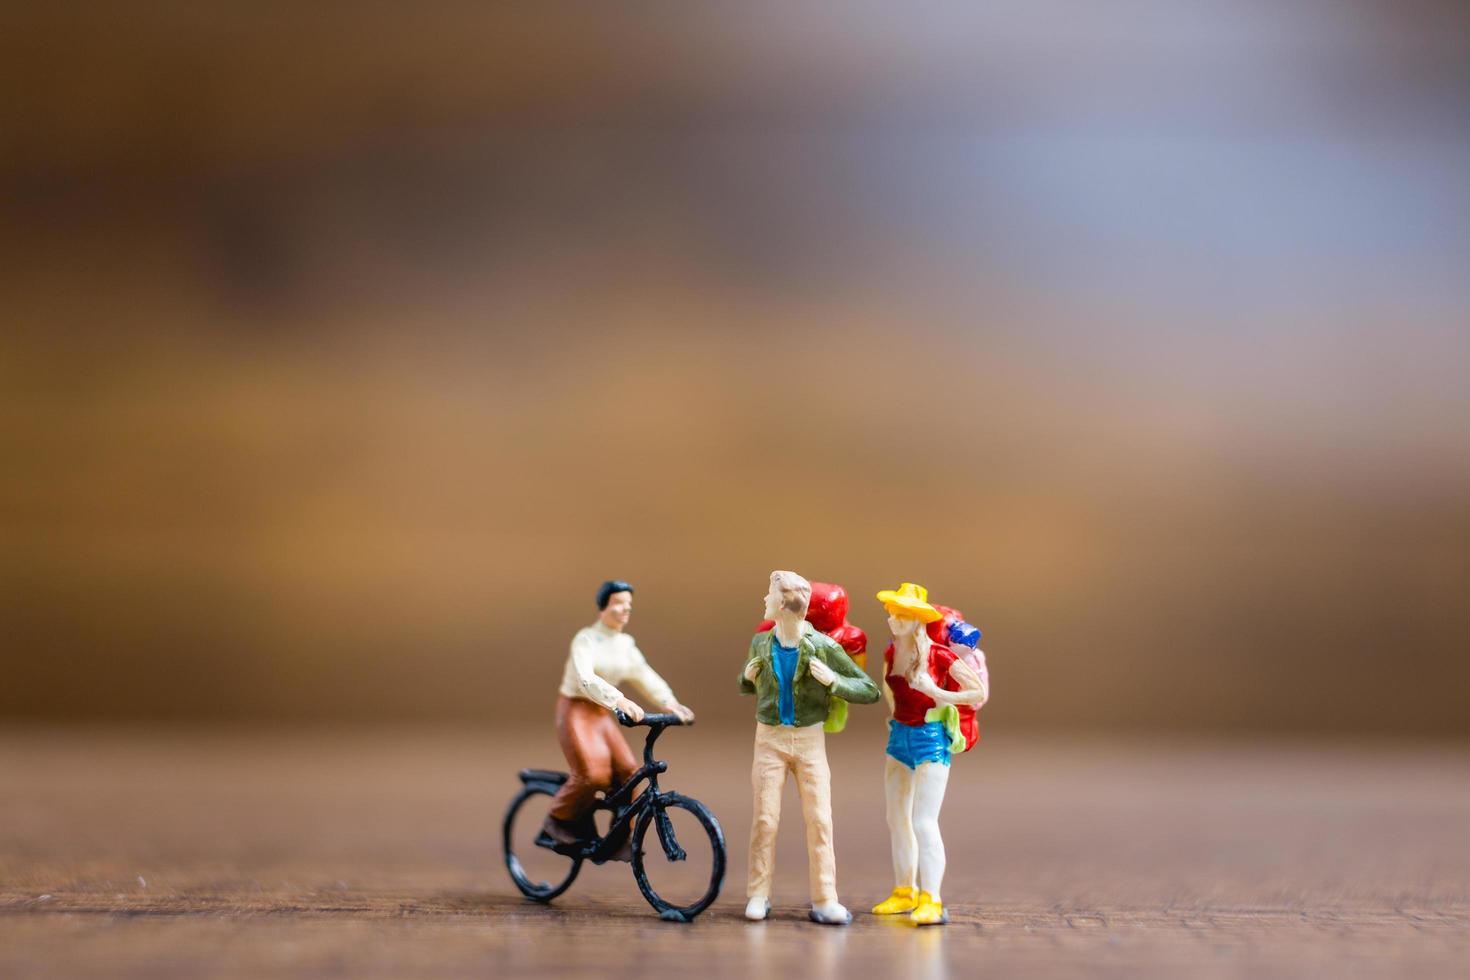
{"x": 796, "y": 592}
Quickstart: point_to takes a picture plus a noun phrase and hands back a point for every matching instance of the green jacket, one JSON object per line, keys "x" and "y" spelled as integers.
{"x": 813, "y": 700}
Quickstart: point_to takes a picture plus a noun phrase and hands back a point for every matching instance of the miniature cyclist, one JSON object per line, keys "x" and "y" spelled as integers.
{"x": 598, "y": 759}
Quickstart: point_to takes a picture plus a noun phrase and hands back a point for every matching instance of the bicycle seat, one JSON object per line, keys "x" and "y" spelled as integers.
{"x": 543, "y": 776}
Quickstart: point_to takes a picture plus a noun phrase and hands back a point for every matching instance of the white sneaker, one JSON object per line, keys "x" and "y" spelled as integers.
{"x": 757, "y": 908}
{"x": 831, "y": 914}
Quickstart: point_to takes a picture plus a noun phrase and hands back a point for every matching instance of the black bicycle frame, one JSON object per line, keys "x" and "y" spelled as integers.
{"x": 600, "y": 849}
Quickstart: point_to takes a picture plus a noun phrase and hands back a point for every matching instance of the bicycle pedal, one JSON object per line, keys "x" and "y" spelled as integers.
{"x": 545, "y": 840}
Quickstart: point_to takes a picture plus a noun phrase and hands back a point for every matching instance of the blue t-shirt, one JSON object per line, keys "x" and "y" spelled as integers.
{"x": 784, "y": 659}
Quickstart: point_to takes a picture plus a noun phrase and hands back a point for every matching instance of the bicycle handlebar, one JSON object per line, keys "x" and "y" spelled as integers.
{"x": 651, "y": 720}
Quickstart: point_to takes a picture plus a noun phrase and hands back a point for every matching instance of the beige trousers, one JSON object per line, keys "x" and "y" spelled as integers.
{"x": 780, "y": 749}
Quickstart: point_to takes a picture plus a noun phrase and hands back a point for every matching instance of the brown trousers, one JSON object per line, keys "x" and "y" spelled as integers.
{"x": 598, "y": 758}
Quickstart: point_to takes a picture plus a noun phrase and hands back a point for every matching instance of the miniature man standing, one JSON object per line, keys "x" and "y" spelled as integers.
{"x": 598, "y": 757}
{"x": 794, "y": 671}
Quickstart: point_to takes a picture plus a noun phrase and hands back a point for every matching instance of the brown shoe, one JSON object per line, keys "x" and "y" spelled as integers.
{"x": 560, "y": 833}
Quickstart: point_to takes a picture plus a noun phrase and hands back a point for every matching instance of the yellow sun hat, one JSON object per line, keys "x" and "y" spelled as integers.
{"x": 910, "y": 600}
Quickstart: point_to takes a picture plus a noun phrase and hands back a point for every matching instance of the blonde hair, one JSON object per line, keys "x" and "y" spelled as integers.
{"x": 922, "y": 640}
{"x": 922, "y": 643}
{"x": 796, "y": 592}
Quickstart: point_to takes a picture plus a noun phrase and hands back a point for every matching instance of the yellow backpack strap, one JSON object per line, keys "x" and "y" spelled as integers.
{"x": 950, "y": 716}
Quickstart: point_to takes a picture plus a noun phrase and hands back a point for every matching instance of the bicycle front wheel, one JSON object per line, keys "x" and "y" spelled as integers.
{"x": 681, "y": 865}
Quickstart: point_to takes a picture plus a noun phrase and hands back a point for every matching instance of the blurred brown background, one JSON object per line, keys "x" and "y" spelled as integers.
{"x": 346, "y": 350}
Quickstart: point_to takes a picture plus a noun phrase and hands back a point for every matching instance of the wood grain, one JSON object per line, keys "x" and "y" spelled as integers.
{"x": 376, "y": 853}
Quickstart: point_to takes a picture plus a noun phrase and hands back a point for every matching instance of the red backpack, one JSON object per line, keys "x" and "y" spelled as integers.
{"x": 967, "y": 723}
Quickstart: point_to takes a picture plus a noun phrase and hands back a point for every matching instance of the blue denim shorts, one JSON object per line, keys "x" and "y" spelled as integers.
{"x": 916, "y": 744}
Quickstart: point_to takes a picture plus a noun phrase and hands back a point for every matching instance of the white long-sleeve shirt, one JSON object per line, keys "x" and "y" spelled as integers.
{"x": 601, "y": 659}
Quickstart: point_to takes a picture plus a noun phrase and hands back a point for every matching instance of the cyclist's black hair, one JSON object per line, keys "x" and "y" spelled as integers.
{"x": 608, "y": 588}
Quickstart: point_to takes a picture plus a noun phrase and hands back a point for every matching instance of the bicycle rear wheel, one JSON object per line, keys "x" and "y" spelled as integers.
{"x": 669, "y": 865}
{"x": 543, "y": 874}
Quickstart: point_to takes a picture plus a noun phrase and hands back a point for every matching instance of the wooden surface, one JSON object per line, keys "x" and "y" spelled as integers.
{"x": 376, "y": 853}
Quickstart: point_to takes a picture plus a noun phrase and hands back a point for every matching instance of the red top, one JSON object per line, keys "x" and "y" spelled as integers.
{"x": 909, "y": 705}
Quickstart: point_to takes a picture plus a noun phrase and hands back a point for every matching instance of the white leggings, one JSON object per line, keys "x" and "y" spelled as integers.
{"x": 914, "y": 799}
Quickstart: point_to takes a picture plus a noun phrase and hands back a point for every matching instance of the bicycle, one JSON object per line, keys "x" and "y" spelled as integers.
{"x": 628, "y": 815}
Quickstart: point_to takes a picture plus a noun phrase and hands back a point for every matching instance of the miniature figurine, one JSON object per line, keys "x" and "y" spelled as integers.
{"x": 602, "y": 657}
{"x": 928, "y": 688}
{"x": 827, "y": 611}
{"x": 796, "y": 672}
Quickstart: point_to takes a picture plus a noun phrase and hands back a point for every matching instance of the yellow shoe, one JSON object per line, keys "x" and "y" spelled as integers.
{"x": 929, "y": 912}
{"x": 902, "y": 900}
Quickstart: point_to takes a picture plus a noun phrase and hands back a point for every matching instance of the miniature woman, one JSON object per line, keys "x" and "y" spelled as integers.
{"x": 602, "y": 657}
{"x": 925, "y": 684}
